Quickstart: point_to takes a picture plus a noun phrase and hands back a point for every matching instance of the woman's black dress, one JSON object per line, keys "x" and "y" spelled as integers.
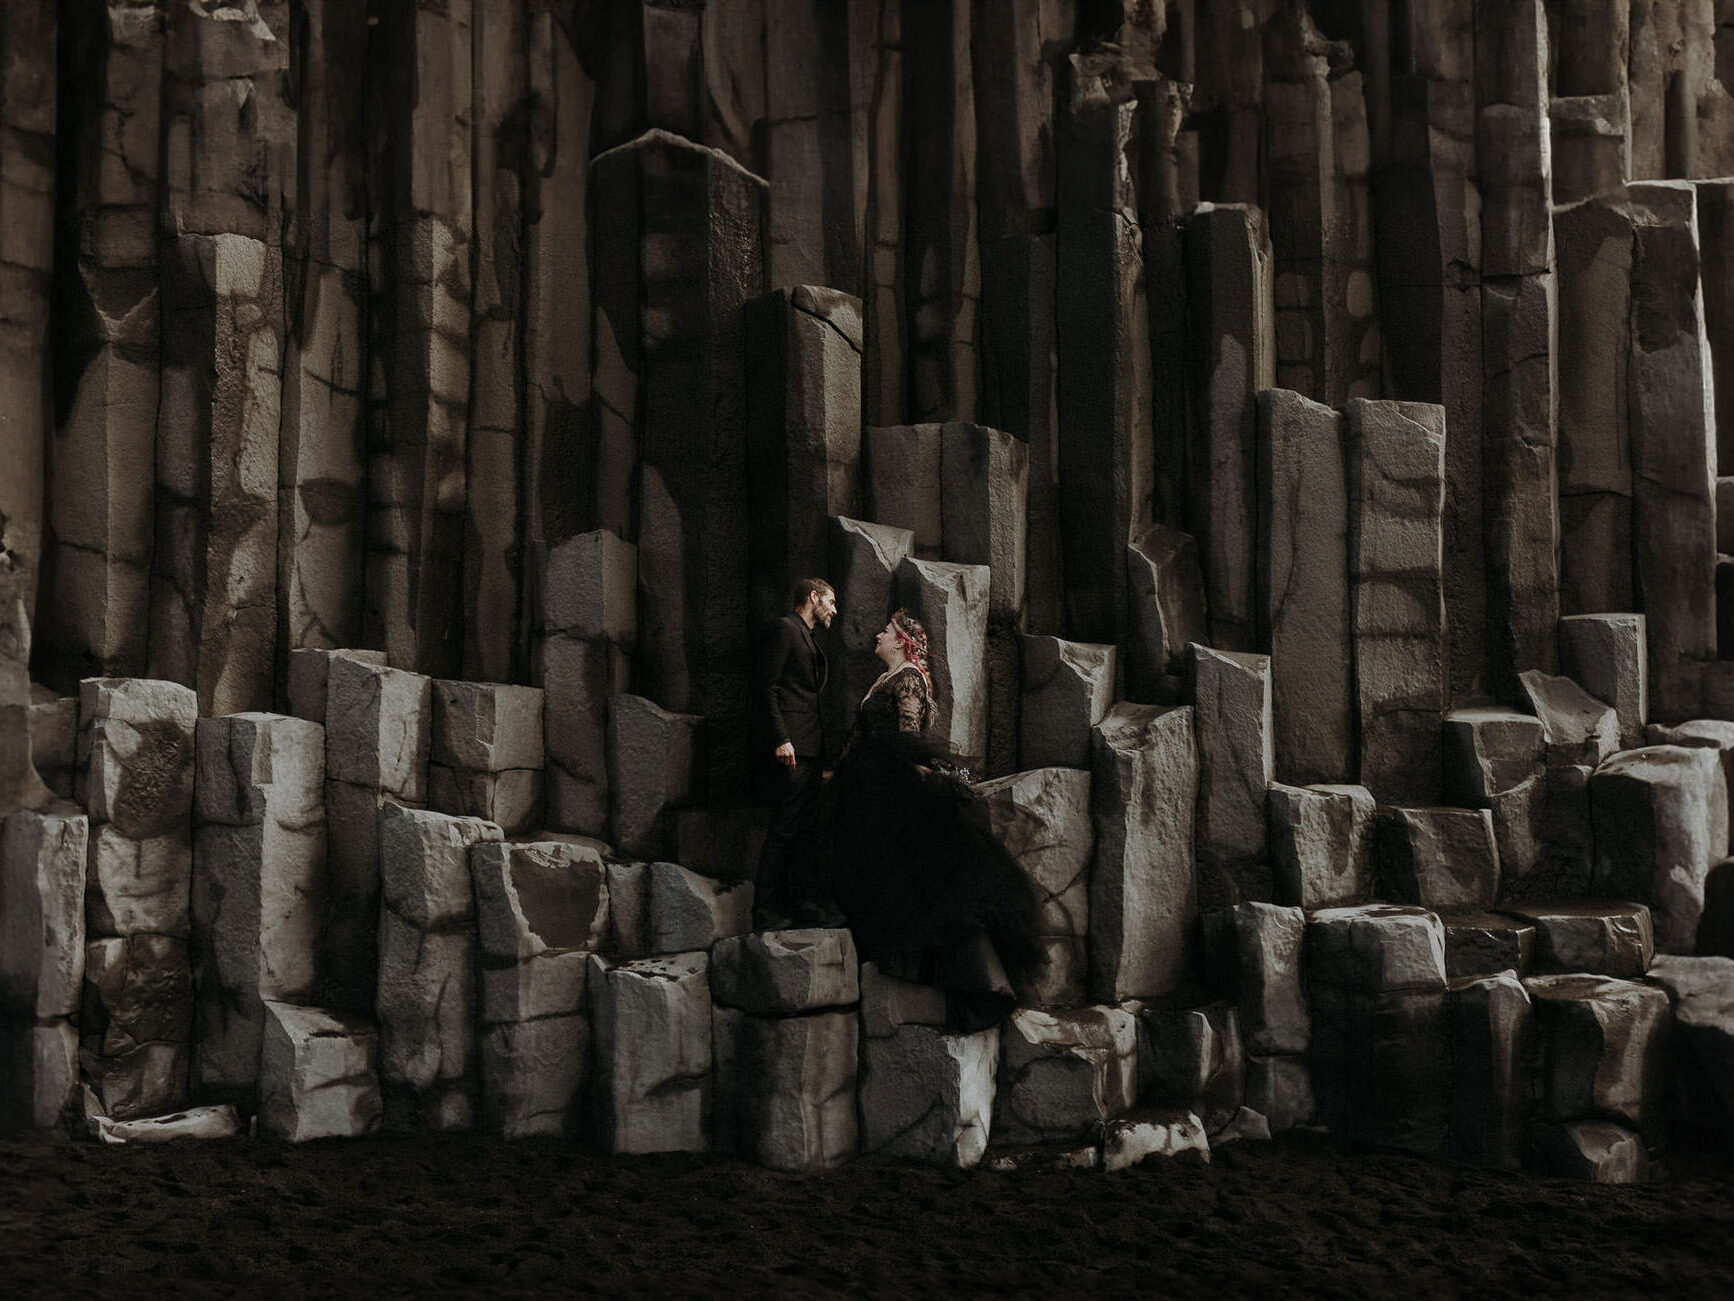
{"x": 930, "y": 894}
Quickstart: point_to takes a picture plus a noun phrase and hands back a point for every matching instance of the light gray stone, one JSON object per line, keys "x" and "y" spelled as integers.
{"x": 1303, "y": 570}
{"x": 551, "y": 984}
{"x": 318, "y": 1075}
{"x": 651, "y": 757}
{"x": 536, "y": 897}
{"x": 1607, "y": 655}
{"x": 1375, "y": 947}
{"x": 512, "y": 800}
{"x": 42, "y": 875}
{"x": 1236, "y": 764}
{"x": 1396, "y": 570}
{"x": 424, "y": 861}
{"x": 1661, "y": 821}
{"x": 785, "y": 1088}
{"x": 147, "y": 1081}
{"x": 135, "y": 750}
{"x": 1603, "y": 939}
{"x": 255, "y": 768}
{"x": 1320, "y": 844}
{"x": 629, "y": 909}
{"x": 1068, "y": 687}
{"x": 652, "y": 1056}
{"x": 1578, "y": 728}
{"x": 379, "y": 727}
{"x": 54, "y": 739}
{"x": 578, "y": 678}
{"x": 1439, "y": 858}
{"x": 1708, "y": 733}
{"x": 1143, "y": 896}
{"x": 138, "y": 990}
{"x": 1603, "y": 1043}
{"x": 486, "y": 726}
{"x": 779, "y": 973}
{"x": 952, "y": 603}
{"x": 1130, "y": 1140}
{"x": 926, "y": 1095}
{"x": 689, "y": 911}
{"x": 426, "y": 1007}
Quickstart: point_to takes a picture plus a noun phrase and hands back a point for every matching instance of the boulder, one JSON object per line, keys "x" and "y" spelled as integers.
{"x": 1067, "y": 688}
{"x": 1439, "y": 858}
{"x": 785, "y": 1088}
{"x": 651, "y": 1078}
{"x": 1594, "y": 1151}
{"x": 1143, "y": 896}
{"x": 926, "y": 1095}
{"x": 1578, "y": 728}
{"x": 1661, "y": 820}
{"x": 1061, "y": 1075}
{"x": 1603, "y": 939}
{"x": 780, "y": 973}
{"x": 318, "y": 1075}
{"x": 1606, "y": 655}
{"x": 1132, "y": 1139}
{"x": 1602, "y": 1045}
{"x": 1320, "y": 844}
{"x": 952, "y": 603}
{"x": 689, "y": 911}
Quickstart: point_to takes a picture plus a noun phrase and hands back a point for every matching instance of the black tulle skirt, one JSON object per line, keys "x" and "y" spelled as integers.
{"x": 930, "y": 894}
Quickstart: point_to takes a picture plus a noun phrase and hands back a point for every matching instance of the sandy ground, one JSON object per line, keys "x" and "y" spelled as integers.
{"x": 468, "y": 1215}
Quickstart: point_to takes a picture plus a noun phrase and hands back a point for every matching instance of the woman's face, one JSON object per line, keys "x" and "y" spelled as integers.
{"x": 885, "y": 644}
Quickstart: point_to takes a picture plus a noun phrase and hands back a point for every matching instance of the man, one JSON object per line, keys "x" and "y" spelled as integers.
{"x": 792, "y": 673}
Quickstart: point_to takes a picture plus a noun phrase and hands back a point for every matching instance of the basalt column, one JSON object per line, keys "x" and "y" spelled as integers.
{"x": 702, "y": 260}
{"x": 1104, "y": 355}
{"x": 420, "y": 231}
{"x": 321, "y": 479}
{"x": 1518, "y": 329}
{"x": 96, "y": 584}
{"x": 27, "y": 131}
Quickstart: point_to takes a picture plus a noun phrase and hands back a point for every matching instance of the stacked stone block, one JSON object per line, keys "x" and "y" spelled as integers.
{"x": 426, "y": 1001}
{"x": 785, "y": 1031}
{"x": 136, "y": 752}
{"x": 587, "y": 627}
{"x": 1254, "y": 954}
{"x": 486, "y": 757}
{"x": 542, "y": 909}
{"x": 652, "y": 1074}
{"x": 258, "y": 892}
{"x": 318, "y": 1075}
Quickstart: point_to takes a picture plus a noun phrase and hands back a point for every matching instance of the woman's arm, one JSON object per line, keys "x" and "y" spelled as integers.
{"x": 910, "y": 692}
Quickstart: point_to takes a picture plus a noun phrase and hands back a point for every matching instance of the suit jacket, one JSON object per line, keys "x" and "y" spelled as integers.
{"x": 792, "y": 672}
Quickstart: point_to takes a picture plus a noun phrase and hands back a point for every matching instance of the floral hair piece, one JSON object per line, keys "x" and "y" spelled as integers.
{"x": 912, "y": 637}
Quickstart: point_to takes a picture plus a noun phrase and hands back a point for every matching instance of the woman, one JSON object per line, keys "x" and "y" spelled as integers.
{"x": 931, "y": 895}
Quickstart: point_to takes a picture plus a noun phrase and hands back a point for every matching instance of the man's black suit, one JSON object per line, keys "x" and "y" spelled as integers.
{"x": 792, "y": 672}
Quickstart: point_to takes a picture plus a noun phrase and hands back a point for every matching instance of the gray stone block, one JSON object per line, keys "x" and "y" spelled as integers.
{"x": 379, "y": 727}
{"x": 587, "y": 588}
{"x": 1062, "y": 1075}
{"x": 1492, "y": 1037}
{"x": 486, "y": 726}
{"x": 1603, "y": 1047}
{"x": 1483, "y": 944}
{"x": 1320, "y": 844}
{"x": 651, "y": 1021}
{"x": 1439, "y": 858}
{"x": 537, "y": 897}
{"x": 926, "y": 1095}
{"x": 1603, "y": 939}
{"x": 785, "y": 1088}
{"x": 42, "y": 880}
{"x": 1236, "y": 764}
{"x": 952, "y": 603}
{"x": 688, "y": 911}
{"x": 651, "y": 768}
{"x": 1578, "y": 728}
{"x": 780, "y": 973}
{"x": 1375, "y": 947}
{"x": 1488, "y": 752}
{"x": 135, "y": 751}
{"x": 1606, "y": 654}
{"x": 1068, "y": 687}
{"x": 318, "y": 1075}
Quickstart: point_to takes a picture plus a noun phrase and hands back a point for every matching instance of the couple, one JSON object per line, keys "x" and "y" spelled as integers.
{"x": 910, "y": 855}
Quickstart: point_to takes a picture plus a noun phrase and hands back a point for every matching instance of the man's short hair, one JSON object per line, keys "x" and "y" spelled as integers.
{"x": 805, "y": 587}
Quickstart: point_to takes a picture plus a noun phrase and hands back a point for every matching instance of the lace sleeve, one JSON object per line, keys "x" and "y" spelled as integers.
{"x": 914, "y": 709}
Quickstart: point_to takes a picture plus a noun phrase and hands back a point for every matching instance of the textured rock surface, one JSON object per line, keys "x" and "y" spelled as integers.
{"x": 1439, "y": 858}
{"x": 1606, "y": 654}
{"x": 1043, "y": 818}
{"x": 952, "y": 603}
{"x": 1320, "y": 844}
{"x": 652, "y": 1024}
{"x": 1255, "y": 955}
{"x": 318, "y": 1075}
{"x": 1061, "y": 1075}
{"x": 1142, "y": 893}
{"x": 42, "y": 858}
{"x": 778, "y": 973}
{"x": 650, "y": 769}
{"x": 1067, "y": 688}
{"x": 1236, "y": 763}
{"x": 1602, "y": 1043}
{"x": 785, "y": 1088}
{"x": 927, "y": 1095}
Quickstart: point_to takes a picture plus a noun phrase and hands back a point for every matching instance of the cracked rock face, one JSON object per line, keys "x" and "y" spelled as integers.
{"x": 653, "y": 1048}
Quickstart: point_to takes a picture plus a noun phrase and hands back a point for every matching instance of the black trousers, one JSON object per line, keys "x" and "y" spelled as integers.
{"x": 788, "y": 864}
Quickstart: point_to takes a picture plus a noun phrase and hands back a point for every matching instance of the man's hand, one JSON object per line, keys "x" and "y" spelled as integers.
{"x": 786, "y": 754}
